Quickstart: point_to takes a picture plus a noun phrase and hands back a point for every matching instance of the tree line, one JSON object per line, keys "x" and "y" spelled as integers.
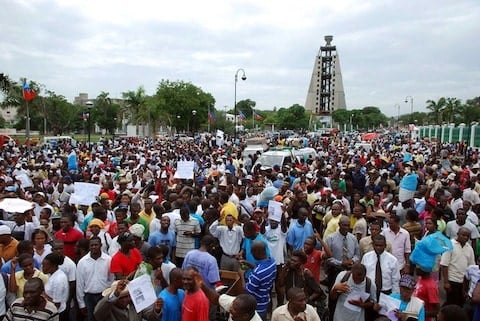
{"x": 185, "y": 107}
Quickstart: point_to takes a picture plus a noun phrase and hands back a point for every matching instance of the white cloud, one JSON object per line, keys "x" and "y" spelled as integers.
{"x": 388, "y": 49}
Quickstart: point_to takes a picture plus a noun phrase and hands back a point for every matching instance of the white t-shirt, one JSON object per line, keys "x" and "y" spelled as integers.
{"x": 57, "y": 289}
{"x": 276, "y": 241}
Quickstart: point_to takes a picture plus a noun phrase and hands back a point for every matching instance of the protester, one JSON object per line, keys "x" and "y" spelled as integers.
{"x": 116, "y": 305}
{"x": 32, "y": 306}
{"x": 138, "y": 180}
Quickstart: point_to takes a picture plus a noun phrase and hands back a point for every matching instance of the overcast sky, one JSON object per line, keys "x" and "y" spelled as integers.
{"x": 388, "y": 49}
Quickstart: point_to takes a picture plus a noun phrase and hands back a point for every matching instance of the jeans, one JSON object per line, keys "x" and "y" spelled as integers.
{"x": 91, "y": 300}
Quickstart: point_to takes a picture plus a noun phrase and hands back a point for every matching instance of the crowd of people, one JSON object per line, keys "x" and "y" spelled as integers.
{"x": 349, "y": 220}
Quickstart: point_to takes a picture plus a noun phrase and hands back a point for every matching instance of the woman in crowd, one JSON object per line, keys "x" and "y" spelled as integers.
{"x": 18, "y": 279}
{"x": 56, "y": 288}
{"x": 40, "y": 246}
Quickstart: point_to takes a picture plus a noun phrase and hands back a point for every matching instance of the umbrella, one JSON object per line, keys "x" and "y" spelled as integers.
{"x": 15, "y": 205}
{"x": 369, "y": 136}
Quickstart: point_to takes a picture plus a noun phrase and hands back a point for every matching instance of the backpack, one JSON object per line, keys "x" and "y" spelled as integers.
{"x": 368, "y": 285}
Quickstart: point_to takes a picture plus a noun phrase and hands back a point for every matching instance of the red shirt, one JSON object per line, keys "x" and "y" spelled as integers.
{"x": 427, "y": 290}
{"x": 124, "y": 264}
{"x": 314, "y": 262}
{"x": 70, "y": 240}
{"x": 195, "y": 307}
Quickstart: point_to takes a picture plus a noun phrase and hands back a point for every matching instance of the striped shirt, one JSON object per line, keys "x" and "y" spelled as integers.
{"x": 260, "y": 283}
{"x": 343, "y": 247}
{"x": 18, "y": 312}
{"x": 185, "y": 243}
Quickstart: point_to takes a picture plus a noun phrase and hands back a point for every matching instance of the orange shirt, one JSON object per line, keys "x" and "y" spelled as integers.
{"x": 9, "y": 251}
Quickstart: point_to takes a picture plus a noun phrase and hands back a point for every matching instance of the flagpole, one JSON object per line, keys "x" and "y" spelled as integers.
{"x": 27, "y": 127}
{"x": 208, "y": 119}
{"x": 253, "y": 117}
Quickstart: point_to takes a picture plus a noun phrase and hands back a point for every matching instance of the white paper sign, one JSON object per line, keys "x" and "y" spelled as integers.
{"x": 219, "y": 137}
{"x": 142, "y": 292}
{"x": 184, "y": 170}
{"x": 85, "y": 193}
{"x": 275, "y": 211}
{"x": 387, "y": 304}
{"x": 355, "y": 296}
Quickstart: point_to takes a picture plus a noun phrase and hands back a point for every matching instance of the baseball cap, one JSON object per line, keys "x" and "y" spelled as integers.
{"x": 407, "y": 281}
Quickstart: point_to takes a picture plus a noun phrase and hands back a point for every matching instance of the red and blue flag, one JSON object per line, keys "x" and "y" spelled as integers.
{"x": 211, "y": 117}
{"x": 28, "y": 93}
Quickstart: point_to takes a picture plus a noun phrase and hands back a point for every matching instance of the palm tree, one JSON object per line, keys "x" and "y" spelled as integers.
{"x": 436, "y": 108}
{"x": 452, "y": 108}
{"x": 135, "y": 103}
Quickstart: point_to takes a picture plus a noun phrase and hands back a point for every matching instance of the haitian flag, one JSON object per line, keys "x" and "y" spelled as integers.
{"x": 242, "y": 116}
{"x": 28, "y": 93}
{"x": 258, "y": 117}
{"x": 211, "y": 117}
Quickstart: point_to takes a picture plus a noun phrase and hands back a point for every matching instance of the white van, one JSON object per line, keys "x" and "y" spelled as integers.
{"x": 305, "y": 153}
{"x": 251, "y": 150}
{"x": 275, "y": 157}
{"x": 53, "y": 141}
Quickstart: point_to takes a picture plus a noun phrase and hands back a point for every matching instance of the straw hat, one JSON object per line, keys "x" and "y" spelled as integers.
{"x": 381, "y": 213}
{"x": 112, "y": 288}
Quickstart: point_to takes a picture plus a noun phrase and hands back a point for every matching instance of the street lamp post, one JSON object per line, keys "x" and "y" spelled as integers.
{"x": 89, "y": 107}
{"x": 398, "y": 115}
{"x": 194, "y": 112}
{"x": 235, "y": 102}
{"x": 411, "y": 107}
{"x": 351, "y": 122}
{"x": 114, "y": 129}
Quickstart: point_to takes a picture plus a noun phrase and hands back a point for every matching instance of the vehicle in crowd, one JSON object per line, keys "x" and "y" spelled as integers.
{"x": 274, "y": 157}
{"x": 305, "y": 153}
{"x": 252, "y": 149}
{"x": 183, "y": 138}
{"x": 283, "y": 156}
{"x": 54, "y": 141}
{"x": 367, "y": 147}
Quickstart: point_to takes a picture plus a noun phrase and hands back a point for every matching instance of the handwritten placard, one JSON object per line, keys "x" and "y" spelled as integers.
{"x": 184, "y": 170}
{"x": 85, "y": 193}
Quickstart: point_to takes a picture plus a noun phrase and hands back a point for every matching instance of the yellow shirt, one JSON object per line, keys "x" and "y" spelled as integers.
{"x": 147, "y": 217}
{"x": 332, "y": 226}
{"x": 19, "y": 277}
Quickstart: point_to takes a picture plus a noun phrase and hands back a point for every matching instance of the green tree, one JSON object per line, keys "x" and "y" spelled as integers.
{"x": 369, "y": 117}
{"x": 469, "y": 112}
{"x": 246, "y": 106}
{"x": 135, "y": 103}
{"x": 293, "y": 117}
{"x": 184, "y": 105}
{"x": 342, "y": 116}
{"x": 105, "y": 113}
{"x": 61, "y": 115}
{"x": 452, "y": 109}
{"x": 436, "y": 107}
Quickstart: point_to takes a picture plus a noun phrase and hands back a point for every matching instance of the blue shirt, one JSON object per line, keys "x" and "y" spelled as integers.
{"x": 172, "y": 305}
{"x": 200, "y": 220}
{"x": 6, "y": 267}
{"x": 247, "y": 247}
{"x": 206, "y": 264}
{"x": 297, "y": 234}
{"x": 168, "y": 239}
{"x": 72, "y": 163}
{"x": 260, "y": 284}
